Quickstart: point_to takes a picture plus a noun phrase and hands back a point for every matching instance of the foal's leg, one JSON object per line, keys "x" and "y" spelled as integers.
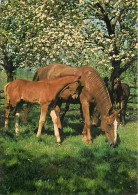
{"x": 17, "y": 115}
{"x": 57, "y": 110}
{"x": 55, "y": 122}
{"x": 7, "y": 112}
{"x": 86, "y": 113}
{"x": 44, "y": 108}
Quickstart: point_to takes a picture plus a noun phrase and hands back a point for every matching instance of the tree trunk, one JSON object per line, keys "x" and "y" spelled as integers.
{"x": 8, "y": 66}
{"x": 9, "y": 75}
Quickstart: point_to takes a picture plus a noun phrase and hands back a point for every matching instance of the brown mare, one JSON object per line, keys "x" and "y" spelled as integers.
{"x": 44, "y": 93}
{"x": 94, "y": 90}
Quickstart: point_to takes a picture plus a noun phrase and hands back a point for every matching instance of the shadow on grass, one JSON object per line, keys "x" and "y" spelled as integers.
{"x": 93, "y": 171}
{"x": 77, "y": 127}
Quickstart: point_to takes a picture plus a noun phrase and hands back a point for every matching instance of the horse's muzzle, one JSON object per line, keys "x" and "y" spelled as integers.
{"x": 114, "y": 145}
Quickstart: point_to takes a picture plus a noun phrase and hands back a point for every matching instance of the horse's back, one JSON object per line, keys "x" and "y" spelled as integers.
{"x": 50, "y": 72}
{"x": 126, "y": 90}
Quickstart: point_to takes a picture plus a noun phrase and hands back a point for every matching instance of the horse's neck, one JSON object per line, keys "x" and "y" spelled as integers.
{"x": 68, "y": 71}
{"x": 103, "y": 102}
{"x": 100, "y": 93}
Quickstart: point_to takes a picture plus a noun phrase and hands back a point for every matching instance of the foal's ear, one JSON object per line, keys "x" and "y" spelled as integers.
{"x": 118, "y": 111}
{"x": 110, "y": 111}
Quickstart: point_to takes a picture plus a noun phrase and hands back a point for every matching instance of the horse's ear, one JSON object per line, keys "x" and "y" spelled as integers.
{"x": 118, "y": 111}
{"x": 110, "y": 111}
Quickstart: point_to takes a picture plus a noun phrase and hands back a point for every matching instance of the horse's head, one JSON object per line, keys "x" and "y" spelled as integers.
{"x": 117, "y": 82}
{"x": 109, "y": 125}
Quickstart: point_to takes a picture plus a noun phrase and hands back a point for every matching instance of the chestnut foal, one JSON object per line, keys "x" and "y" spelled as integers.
{"x": 44, "y": 93}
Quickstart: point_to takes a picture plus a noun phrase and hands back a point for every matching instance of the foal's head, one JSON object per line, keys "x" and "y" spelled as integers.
{"x": 109, "y": 125}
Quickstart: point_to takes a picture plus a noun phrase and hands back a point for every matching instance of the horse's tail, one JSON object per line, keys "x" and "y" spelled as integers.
{"x": 6, "y": 93}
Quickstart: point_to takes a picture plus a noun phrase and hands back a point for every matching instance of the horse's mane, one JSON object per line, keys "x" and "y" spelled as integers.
{"x": 100, "y": 94}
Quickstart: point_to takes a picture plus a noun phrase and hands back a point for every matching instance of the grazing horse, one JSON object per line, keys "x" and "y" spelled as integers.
{"x": 121, "y": 92}
{"x": 44, "y": 93}
{"x": 93, "y": 90}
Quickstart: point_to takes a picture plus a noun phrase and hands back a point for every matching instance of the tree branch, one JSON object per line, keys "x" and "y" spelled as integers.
{"x": 106, "y": 19}
{"x": 127, "y": 65}
{"x": 117, "y": 18}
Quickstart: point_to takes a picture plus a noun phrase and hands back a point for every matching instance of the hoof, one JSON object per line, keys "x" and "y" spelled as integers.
{"x": 59, "y": 143}
{"x": 95, "y": 124}
{"x": 37, "y": 136}
{"x": 84, "y": 138}
{"x": 90, "y": 142}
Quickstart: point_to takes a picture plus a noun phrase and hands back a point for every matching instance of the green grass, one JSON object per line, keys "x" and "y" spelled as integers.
{"x": 39, "y": 166}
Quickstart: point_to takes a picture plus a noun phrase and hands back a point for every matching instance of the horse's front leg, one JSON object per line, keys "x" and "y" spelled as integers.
{"x": 95, "y": 116}
{"x": 81, "y": 114}
{"x": 123, "y": 112}
{"x": 86, "y": 113}
{"x": 55, "y": 122}
{"x": 44, "y": 108}
{"x": 57, "y": 110}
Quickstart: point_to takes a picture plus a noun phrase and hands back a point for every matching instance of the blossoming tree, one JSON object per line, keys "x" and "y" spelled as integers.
{"x": 77, "y": 32}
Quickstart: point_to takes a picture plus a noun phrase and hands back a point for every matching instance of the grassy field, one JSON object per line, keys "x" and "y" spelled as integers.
{"x": 29, "y": 165}
{"x": 39, "y": 166}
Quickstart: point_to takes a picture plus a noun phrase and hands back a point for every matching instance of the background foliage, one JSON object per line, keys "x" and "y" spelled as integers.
{"x": 101, "y": 33}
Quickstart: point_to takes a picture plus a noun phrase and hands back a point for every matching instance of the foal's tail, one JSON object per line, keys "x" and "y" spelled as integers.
{"x": 6, "y": 93}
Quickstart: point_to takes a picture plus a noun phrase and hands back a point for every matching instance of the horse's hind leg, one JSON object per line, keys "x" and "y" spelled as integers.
{"x": 66, "y": 109}
{"x": 55, "y": 122}
{"x": 7, "y": 112}
{"x": 44, "y": 108}
{"x": 17, "y": 115}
